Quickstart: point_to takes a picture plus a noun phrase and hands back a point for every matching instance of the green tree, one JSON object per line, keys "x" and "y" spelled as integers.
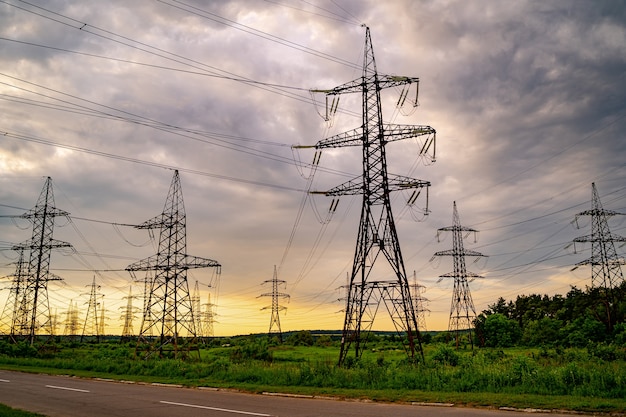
{"x": 499, "y": 331}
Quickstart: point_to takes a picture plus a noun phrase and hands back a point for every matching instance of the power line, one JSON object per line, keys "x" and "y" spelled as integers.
{"x": 33, "y": 139}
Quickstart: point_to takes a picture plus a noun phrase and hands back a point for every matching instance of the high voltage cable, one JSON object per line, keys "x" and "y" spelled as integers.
{"x": 166, "y": 127}
{"x": 144, "y": 162}
{"x": 338, "y": 17}
{"x": 235, "y": 25}
{"x": 84, "y": 27}
{"x": 127, "y": 61}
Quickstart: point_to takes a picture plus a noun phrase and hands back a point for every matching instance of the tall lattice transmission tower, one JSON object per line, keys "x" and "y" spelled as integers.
{"x": 276, "y": 308}
{"x": 208, "y": 318}
{"x": 168, "y": 309}
{"x": 33, "y": 316}
{"x": 606, "y": 266}
{"x": 92, "y": 324}
{"x": 377, "y": 233}
{"x": 462, "y": 311}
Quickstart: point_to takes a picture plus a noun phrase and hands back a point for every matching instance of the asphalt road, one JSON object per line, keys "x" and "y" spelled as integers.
{"x": 62, "y": 396}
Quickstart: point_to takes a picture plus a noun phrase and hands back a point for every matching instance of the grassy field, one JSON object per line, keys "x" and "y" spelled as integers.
{"x": 591, "y": 379}
{"x": 12, "y": 412}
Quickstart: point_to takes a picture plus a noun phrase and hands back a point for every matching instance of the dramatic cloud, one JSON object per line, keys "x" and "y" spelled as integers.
{"x": 107, "y": 98}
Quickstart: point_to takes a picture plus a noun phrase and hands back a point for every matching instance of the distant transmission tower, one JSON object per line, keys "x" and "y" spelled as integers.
{"x": 9, "y": 313}
{"x": 276, "y": 295}
{"x": 91, "y": 326}
{"x": 377, "y": 233}
{"x": 462, "y": 311}
{"x": 208, "y": 318}
{"x": 168, "y": 307}
{"x": 33, "y": 316}
{"x": 418, "y": 303}
{"x": 71, "y": 321}
{"x": 606, "y": 270}
{"x": 128, "y": 315}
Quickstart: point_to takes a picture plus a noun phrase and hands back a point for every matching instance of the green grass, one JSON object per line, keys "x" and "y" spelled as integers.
{"x": 592, "y": 380}
{"x": 12, "y": 412}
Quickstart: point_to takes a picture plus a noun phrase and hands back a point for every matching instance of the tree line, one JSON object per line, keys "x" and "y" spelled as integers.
{"x": 578, "y": 319}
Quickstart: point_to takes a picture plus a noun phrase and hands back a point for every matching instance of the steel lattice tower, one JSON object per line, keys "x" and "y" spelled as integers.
{"x": 462, "y": 311}
{"x": 92, "y": 326}
{"x": 33, "y": 313}
{"x": 71, "y": 321}
{"x": 168, "y": 308}
{"x": 128, "y": 314}
{"x": 9, "y": 313}
{"x": 208, "y": 318}
{"x": 276, "y": 308}
{"x": 377, "y": 233}
{"x": 418, "y": 303}
{"x": 606, "y": 270}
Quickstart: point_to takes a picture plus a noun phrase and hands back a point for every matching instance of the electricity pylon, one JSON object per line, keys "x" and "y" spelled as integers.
{"x": 377, "y": 233}
{"x": 208, "y": 318}
{"x": 418, "y": 303}
{"x": 92, "y": 326}
{"x": 33, "y": 316}
{"x": 7, "y": 319}
{"x": 71, "y": 321}
{"x": 276, "y": 295}
{"x": 168, "y": 308}
{"x": 128, "y": 315}
{"x": 462, "y": 311}
{"x": 606, "y": 270}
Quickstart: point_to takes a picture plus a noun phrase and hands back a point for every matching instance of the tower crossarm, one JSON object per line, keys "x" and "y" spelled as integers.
{"x": 278, "y": 294}
{"x": 599, "y": 212}
{"x": 154, "y": 263}
{"x": 598, "y": 260}
{"x": 467, "y": 274}
{"x": 595, "y": 238}
{"x": 356, "y": 86}
{"x": 52, "y": 244}
{"x": 454, "y": 252}
{"x": 50, "y": 212}
{"x": 392, "y": 133}
{"x": 355, "y": 186}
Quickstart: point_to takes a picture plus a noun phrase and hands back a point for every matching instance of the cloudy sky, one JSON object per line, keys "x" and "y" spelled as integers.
{"x": 109, "y": 97}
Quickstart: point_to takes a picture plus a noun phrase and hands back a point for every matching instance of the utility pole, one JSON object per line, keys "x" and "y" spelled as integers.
{"x": 377, "y": 233}
{"x": 606, "y": 270}
{"x": 91, "y": 319}
{"x": 275, "y": 294}
{"x": 33, "y": 314}
{"x": 462, "y": 311}
{"x": 168, "y": 308}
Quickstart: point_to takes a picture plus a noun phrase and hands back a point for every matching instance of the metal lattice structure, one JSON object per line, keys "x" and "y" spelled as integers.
{"x": 208, "y": 318}
{"x": 169, "y": 326}
{"x": 419, "y": 302}
{"x": 276, "y": 308}
{"x": 92, "y": 321}
{"x": 9, "y": 313}
{"x": 377, "y": 233}
{"x": 128, "y": 315}
{"x": 462, "y": 311}
{"x": 33, "y": 317}
{"x": 71, "y": 321}
{"x": 606, "y": 265}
